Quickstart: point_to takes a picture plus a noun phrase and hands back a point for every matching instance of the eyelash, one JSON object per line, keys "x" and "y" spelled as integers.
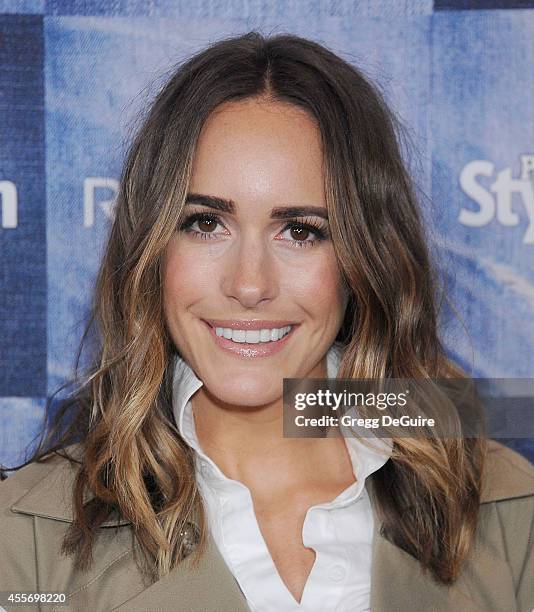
{"x": 310, "y": 225}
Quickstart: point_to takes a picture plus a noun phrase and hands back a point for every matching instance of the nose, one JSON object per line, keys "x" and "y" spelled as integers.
{"x": 250, "y": 276}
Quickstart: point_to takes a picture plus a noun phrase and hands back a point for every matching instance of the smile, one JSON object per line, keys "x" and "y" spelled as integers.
{"x": 252, "y": 336}
{"x": 251, "y": 343}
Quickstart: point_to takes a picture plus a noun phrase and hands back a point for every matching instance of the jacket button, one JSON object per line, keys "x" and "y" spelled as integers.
{"x": 190, "y": 536}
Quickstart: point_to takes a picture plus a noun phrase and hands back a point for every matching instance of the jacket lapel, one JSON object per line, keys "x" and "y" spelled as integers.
{"x": 398, "y": 583}
{"x": 210, "y": 587}
{"x": 485, "y": 582}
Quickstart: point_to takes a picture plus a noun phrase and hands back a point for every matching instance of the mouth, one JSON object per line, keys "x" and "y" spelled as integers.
{"x": 251, "y": 338}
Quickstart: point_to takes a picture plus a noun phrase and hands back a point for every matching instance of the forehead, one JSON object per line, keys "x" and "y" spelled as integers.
{"x": 259, "y": 151}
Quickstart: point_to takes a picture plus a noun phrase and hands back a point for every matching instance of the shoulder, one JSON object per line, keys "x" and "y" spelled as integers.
{"x": 506, "y": 523}
{"x": 507, "y": 475}
{"x": 29, "y": 488}
{"x": 41, "y": 488}
{"x": 35, "y": 515}
{"x": 23, "y": 480}
{"x": 45, "y": 489}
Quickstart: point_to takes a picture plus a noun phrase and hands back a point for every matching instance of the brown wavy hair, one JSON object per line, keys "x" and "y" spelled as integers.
{"x": 133, "y": 460}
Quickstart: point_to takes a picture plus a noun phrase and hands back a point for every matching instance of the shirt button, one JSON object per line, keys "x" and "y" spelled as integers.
{"x": 337, "y": 573}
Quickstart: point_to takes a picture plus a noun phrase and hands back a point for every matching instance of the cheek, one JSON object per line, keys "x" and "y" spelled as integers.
{"x": 185, "y": 277}
{"x": 319, "y": 286}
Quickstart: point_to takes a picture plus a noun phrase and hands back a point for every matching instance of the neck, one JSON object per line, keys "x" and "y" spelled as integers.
{"x": 247, "y": 443}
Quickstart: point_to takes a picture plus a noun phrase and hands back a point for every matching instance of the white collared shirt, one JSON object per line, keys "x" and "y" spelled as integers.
{"x": 340, "y": 532}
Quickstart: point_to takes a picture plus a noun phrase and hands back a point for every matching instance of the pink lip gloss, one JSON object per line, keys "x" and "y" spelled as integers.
{"x": 247, "y": 350}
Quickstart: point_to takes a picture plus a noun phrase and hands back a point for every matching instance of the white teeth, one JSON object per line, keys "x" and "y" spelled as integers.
{"x": 238, "y": 335}
{"x": 253, "y": 336}
{"x": 265, "y": 335}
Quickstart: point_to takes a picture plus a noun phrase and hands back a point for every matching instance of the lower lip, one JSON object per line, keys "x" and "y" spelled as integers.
{"x": 248, "y": 350}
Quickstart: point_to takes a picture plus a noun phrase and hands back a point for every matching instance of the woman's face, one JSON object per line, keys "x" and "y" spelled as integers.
{"x": 245, "y": 265}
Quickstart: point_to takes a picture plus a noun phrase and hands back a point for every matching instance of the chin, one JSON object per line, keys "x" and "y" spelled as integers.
{"x": 247, "y": 390}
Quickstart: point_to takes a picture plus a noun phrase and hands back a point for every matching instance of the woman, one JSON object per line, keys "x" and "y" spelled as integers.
{"x": 265, "y": 228}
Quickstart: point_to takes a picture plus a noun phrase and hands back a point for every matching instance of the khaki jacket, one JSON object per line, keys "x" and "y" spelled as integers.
{"x": 35, "y": 512}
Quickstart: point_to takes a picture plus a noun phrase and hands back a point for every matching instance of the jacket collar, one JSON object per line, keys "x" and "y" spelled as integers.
{"x": 51, "y": 497}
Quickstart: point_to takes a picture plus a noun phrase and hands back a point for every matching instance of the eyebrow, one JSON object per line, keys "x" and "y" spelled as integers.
{"x": 281, "y": 212}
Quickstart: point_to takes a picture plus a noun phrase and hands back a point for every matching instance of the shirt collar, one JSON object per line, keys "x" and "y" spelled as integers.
{"x": 365, "y": 460}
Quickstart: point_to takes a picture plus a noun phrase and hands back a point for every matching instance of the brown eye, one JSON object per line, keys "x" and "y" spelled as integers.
{"x": 207, "y": 225}
{"x": 299, "y": 233}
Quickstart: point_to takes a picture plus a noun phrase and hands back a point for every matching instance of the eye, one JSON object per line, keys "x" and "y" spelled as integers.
{"x": 300, "y": 233}
{"x": 206, "y": 223}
